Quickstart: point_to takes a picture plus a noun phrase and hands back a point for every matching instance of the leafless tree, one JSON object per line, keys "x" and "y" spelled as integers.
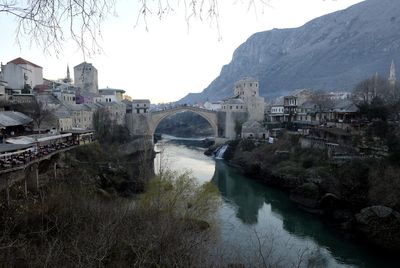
{"x": 376, "y": 86}
{"x": 322, "y": 100}
{"x": 37, "y": 110}
{"x": 49, "y": 23}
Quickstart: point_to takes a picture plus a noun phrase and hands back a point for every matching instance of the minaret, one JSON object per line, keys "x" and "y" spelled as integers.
{"x": 392, "y": 75}
{"x": 376, "y": 76}
{"x": 68, "y": 76}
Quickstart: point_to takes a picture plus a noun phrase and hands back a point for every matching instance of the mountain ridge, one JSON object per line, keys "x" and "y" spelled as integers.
{"x": 332, "y": 52}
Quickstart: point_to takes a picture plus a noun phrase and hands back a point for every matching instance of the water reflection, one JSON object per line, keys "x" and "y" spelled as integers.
{"x": 247, "y": 198}
{"x": 250, "y": 197}
{"x": 251, "y": 207}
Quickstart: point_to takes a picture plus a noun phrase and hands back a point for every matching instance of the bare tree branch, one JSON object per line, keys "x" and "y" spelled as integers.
{"x": 50, "y": 23}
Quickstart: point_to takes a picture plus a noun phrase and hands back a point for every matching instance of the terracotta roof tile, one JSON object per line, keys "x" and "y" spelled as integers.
{"x": 23, "y": 61}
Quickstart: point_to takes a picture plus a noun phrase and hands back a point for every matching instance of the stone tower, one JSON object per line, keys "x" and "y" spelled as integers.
{"x": 85, "y": 77}
{"x": 247, "y": 89}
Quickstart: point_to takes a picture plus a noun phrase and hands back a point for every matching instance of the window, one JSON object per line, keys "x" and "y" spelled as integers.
{"x": 230, "y": 107}
{"x": 251, "y": 84}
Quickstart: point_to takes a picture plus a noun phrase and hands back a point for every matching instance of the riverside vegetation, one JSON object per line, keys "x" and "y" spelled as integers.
{"x": 360, "y": 195}
{"x": 87, "y": 218}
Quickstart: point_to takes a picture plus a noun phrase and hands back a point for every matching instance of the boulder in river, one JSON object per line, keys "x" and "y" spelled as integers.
{"x": 380, "y": 225}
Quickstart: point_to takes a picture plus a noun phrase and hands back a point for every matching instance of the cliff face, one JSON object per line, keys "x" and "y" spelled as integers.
{"x": 331, "y": 52}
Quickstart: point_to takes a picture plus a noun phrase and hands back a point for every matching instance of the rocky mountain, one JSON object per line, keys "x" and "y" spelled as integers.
{"x": 332, "y": 52}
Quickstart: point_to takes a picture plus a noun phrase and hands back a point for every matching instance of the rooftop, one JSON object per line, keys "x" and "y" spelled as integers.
{"x": 110, "y": 91}
{"x": 234, "y": 101}
{"x": 13, "y": 147}
{"x": 85, "y": 64}
{"x": 10, "y": 118}
{"x": 247, "y": 79}
{"x": 78, "y": 131}
{"x": 20, "y": 60}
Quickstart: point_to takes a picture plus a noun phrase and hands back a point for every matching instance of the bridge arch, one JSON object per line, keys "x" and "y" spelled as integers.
{"x": 209, "y": 116}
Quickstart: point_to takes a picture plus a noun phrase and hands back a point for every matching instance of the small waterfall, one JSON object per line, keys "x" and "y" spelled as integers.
{"x": 219, "y": 154}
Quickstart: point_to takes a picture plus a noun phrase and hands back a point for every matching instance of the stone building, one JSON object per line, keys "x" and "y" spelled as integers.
{"x": 246, "y": 105}
{"x": 140, "y": 106}
{"x": 248, "y": 90}
{"x": 235, "y": 114}
{"x": 83, "y": 97}
{"x": 63, "y": 118}
{"x": 117, "y": 111}
{"x": 86, "y": 78}
{"x": 19, "y": 72}
{"x": 65, "y": 96}
{"x": 254, "y": 130}
{"x": 81, "y": 115}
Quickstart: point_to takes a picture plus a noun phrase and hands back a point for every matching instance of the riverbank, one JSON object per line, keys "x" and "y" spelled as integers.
{"x": 358, "y": 196}
{"x": 86, "y": 218}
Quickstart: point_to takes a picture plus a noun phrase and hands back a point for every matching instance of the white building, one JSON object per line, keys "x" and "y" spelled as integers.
{"x": 86, "y": 78}
{"x": 248, "y": 90}
{"x": 112, "y": 94}
{"x": 3, "y": 84}
{"x": 20, "y": 72}
{"x": 213, "y": 106}
{"x": 277, "y": 111}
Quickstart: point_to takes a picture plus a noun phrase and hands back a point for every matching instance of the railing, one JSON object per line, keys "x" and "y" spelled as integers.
{"x": 183, "y": 107}
{"x": 22, "y": 161}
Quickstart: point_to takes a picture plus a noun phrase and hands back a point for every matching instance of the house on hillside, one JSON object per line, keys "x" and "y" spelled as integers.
{"x": 254, "y": 130}
{"x": 277, "y": 111}
{"x": 112, "y": 94}
{"x": 21, "y": 74}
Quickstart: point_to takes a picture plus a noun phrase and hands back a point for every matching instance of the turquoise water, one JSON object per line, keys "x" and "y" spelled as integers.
{"x": 260, "y": 224}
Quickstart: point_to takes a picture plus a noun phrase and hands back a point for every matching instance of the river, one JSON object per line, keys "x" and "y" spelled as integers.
{"x": 259, "y": 223}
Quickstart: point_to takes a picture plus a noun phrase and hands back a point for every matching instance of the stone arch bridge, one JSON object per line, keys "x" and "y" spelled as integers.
{"x": 157, "y": 116}
{"x": 145, "y": 124}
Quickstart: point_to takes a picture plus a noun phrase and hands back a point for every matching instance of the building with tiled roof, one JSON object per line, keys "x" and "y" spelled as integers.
{"x": 20, "y": 73}
{"x": 21, "y": 61}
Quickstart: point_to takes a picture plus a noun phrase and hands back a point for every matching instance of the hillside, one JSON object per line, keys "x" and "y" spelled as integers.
{"x": 332, "y": 52}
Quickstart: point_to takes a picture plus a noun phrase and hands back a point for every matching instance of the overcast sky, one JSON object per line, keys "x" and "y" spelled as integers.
{"x": 171, "y": 59}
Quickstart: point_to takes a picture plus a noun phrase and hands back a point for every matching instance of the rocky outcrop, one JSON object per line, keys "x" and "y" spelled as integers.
{"x": 380, "y": 225}
{"x": 335, "y": 51}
